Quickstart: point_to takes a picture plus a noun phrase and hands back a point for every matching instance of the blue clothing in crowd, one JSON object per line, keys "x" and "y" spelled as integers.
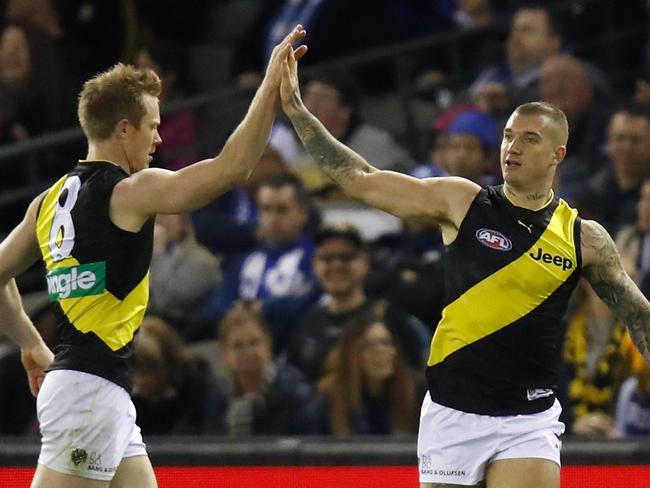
{"x": 281, "y": 277}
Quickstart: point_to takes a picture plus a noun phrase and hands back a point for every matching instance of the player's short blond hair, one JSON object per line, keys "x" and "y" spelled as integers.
{"x": 556, "y": 115}
{"x": 113, "y": 95}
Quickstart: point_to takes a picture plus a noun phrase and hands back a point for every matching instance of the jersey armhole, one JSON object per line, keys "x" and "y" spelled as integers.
{"x": 576, "y": 239}
{"x": 483, "y": 191}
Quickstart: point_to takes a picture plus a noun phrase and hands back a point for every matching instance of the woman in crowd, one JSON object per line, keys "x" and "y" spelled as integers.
{"x": 264, "y": 396}
{"x": 173, "y": 391}
{"x": 369, "y": 387}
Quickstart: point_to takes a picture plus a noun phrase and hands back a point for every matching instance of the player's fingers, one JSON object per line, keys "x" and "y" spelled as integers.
{"x": 286, "y": 72}
{"x": 295, "y": 35}
{"x": 300, "y": 51}
{"x": 33, "y": 386}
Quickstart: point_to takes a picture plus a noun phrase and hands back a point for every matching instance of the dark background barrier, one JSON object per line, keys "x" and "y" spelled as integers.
{"x": 358, "y": 463}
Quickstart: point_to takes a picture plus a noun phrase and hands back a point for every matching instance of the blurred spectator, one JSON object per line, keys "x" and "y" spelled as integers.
{"x": 264, "y": 396}
{"x": 173, "y": 391}
{"x": 440, "y": 142}
{"x": 183, "y": 272}
{"x": 479, "y": 44}
{"x": 473, "y": 141}
{"x": 633, "y": 242}
{"x": 595, "y": 366}
{"x": 41, "y": 13}
{"x": 178, "y": 129}
{"x": 407, "y": 270}
{"x": 30, "y": 71}
{"x": 534, "y": 36}
{"x": 609, "y": 34}
{"x": 633, "y": 403}
{"x": 279, "y": 271}
{"x": 472, "y": 14}
{"x": 369, "y": 387}
{"x": 334, "y": 98}
{"x": 565, "y": 82}
{"x": 227, "y": 226}
{"x": 611, "y": 195}
{"x": 341, "y": 264}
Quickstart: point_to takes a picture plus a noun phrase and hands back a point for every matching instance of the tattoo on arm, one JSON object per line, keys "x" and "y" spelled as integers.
{"x": 613, "y": 285}
{"x": 338, "y": 161}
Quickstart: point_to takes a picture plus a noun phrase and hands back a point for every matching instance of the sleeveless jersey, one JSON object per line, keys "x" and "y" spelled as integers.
{"x": 508, "y": 278}
{"x": 97, "y": 274}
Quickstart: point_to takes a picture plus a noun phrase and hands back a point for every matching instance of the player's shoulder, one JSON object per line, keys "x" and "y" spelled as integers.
{"x": 591, "y": 231}
{"x": 595, "y": 243}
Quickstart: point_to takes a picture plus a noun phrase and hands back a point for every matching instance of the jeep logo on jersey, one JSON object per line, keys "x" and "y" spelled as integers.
{"x": 77, "y": 281}
{"x": 493, "y": 239}
{"x": 564, "y": 263}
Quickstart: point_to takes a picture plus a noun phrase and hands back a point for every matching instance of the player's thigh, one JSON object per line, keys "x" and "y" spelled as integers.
{"x": 134, "y": 471}
{"x": 442, "y": 485}
{"x": 523, "y": 473}
{"x": 48, "y": 478}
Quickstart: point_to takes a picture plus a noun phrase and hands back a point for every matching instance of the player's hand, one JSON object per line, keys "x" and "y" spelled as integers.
{"x": 279, "y": 54}
{"x": 35, "y": 360}
{"x": 290, "y": 87}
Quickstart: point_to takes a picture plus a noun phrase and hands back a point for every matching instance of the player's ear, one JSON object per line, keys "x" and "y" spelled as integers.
{"x": 559, "y": 154}
{"x": 121, "y": 127}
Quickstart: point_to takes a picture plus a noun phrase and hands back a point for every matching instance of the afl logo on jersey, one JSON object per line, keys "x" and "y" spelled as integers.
{"x": 493, "y": 239}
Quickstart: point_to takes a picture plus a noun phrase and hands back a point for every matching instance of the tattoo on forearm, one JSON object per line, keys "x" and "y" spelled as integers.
{"x": 613, "y": 285}
{"x": 335, "y": 159}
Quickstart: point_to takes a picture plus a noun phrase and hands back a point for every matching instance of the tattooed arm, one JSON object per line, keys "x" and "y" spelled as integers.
{"x": 603, "y": 269}
{"x": 444, "y": 200}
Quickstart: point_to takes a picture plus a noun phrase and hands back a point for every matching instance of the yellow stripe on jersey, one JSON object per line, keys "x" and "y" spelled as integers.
{"x": 44, "y": 222}
{"x": 511, "y": 292}
{"x": 104, "y": 314}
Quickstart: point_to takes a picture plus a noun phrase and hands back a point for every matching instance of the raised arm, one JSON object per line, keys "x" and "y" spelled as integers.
{"x": 17, "y": 252}
{"x": 153, "y": 191}
{"x": 443, "y": 200}
{"x": 603, "y": 269}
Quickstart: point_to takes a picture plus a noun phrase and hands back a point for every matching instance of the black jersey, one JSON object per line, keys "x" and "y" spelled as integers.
{"x": 508, "y": 278}
{"x": 97, "y": 274}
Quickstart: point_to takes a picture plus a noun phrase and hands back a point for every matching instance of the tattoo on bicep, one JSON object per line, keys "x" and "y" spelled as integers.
{"x": 335, "y": 159}
{"x": 613, "y": 285}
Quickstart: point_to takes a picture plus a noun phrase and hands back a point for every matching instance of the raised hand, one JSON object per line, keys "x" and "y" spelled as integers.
{"x": 280, "y": 52}
{"x": 290, "y": 87}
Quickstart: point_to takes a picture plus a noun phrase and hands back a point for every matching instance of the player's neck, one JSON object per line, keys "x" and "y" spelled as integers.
{"x": 531, "y": 199}
{"x": 106, "y": 151}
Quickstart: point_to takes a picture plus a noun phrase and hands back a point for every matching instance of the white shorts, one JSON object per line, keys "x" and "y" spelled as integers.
{"x": 456, "y": 447}
{"x": 87, "y": 425}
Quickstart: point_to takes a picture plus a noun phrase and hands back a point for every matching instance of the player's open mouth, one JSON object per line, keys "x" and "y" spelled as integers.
{"x": 512, "y": 162}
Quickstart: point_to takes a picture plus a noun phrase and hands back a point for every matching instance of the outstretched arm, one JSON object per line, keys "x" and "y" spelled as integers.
{"x": 153, "y": 191}
{"x": 444, "y": 200}
{"x": 603, "y": 269}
